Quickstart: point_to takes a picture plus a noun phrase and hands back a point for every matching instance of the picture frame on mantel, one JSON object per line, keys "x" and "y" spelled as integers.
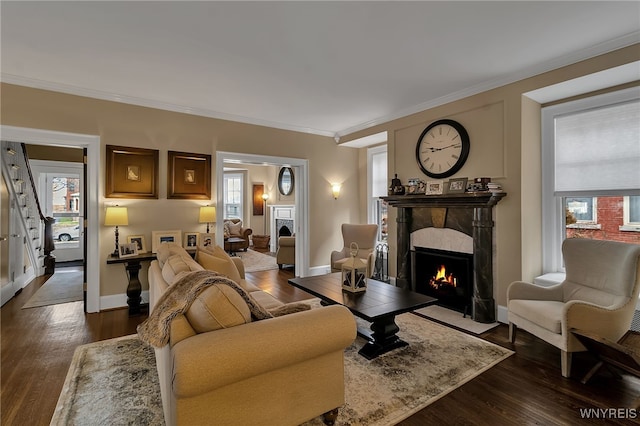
{"x": 131, "y": 172}
{"x": 188, "y": 176}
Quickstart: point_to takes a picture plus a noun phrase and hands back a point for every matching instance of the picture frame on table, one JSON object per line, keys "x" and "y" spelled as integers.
{"x": 188, "y": 176}
{"x": 160, "y": 237}
{"x": 131, "y": 172}
{"x": 207, "y": 240}
{"x": 434, "y": 187}
{"x": 190, "y": 240}
{"x": 456, "y": 186}
{"x": 127, "y": 250}
{"x": 140, "y": 242}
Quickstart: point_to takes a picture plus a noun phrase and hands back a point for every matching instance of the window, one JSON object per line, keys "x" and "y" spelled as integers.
{"x": 377, "y": 187}
{"x": 233, "y": 195}
{"x": 591, "y": 178}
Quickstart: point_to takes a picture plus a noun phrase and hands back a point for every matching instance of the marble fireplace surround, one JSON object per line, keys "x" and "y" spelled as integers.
{"x": 470, "y": 214}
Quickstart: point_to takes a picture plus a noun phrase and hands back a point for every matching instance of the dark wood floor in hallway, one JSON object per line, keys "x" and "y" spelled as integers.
{"x": 526, "y": 389}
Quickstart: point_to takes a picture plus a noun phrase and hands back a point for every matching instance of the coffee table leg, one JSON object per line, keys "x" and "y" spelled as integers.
{"x": 383, "y": 339}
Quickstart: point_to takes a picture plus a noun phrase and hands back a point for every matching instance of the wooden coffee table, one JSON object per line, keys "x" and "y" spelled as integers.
{"x": 379, "y": 305}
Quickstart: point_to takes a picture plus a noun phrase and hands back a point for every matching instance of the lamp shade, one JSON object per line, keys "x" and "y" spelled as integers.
{"x": 116, "y": 216}
{"x": 207, "y": 214}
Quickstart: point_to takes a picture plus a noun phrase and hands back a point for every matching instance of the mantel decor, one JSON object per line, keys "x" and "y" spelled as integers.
{"x": 188, "y": 176}
{"x": 468, "y": 212}
{"x": 131, "y": 172}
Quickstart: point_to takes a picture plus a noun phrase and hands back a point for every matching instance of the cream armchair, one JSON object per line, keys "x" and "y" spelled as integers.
{"x": 599, "y": 295}
{"x": 363, "y": 235}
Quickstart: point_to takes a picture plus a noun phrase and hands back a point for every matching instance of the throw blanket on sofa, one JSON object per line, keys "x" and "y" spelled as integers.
{"x": 177, "y": 300}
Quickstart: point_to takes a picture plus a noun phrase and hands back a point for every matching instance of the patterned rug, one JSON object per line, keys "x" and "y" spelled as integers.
{"x": 62, "y": 287}
{"x": 255, "y": 261}
{"x": 115, "y": 381}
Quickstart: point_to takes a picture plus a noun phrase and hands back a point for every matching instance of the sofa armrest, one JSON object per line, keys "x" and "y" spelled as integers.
{"x": 211, "y": 360}
{"x": 529, "y": 291}
{"x": 608, "y": 322}
{"x": 246, "y": 232}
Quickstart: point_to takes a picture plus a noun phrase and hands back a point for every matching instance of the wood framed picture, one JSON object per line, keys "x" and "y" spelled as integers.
{"x": 190, "y": 240}
{"x": 140, "y": 242}
{"x": 456, "y": 186}
{"x": 161, "y": 237}
{"x": 207, "y": 240}
{"x": 434, "y": 187}
{"x": 189, "y": 176}
{"x": 127, "y": 250}
{"x": 258, "y": 202}
{"x": 131, "y": 172}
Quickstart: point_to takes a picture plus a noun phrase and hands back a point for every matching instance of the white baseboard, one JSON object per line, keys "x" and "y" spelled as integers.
{"x": 503, "y": 316}
{"x": 119, "y": 300}
{"x": 319, "y": 270}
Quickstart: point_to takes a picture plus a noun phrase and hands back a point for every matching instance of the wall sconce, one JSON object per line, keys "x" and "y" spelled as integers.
{"x": 116, "y": 216}
{"x": 207, "y": 215}
{"x": 335, "y": 190}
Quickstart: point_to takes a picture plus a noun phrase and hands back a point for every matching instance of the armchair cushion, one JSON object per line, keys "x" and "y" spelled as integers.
{"x": 546, "y": 314}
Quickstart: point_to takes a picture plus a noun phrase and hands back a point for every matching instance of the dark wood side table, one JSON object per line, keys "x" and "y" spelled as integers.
{"x": 134, "y": 289}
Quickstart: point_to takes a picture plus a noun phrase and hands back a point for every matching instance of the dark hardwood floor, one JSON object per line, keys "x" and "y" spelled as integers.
{"x": 525, "y": 389}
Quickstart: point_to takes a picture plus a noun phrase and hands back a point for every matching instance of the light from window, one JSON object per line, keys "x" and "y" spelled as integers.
{"x": 233, "y": 195}
{"x": 377, "y": 182}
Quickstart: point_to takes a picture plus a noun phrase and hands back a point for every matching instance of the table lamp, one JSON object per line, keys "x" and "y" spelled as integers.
{"x": 116, "y": 216}
{"x": 207, "y": 215}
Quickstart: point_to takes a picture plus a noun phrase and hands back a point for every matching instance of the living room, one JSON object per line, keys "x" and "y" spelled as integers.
{"x": 503, "y": 123}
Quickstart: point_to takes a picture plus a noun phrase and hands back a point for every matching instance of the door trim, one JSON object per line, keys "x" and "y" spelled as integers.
{"x": 93, "y": 146}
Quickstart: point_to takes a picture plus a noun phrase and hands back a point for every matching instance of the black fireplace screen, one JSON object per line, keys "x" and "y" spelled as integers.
{"x": 445, "y": 275}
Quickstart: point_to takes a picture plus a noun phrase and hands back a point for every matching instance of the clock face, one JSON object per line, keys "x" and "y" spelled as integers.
{"x": 442, "y": 149}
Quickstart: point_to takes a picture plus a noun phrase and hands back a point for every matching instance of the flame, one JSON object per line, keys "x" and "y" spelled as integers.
{"x": 441, "y": 278}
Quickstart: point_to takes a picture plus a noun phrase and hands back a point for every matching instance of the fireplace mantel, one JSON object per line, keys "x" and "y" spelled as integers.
{"x": 470, "y": 212}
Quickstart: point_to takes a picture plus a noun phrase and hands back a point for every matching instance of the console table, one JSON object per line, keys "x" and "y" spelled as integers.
{"x": 134, "y": 289}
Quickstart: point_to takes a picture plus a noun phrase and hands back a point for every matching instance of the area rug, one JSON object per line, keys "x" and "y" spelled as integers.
{"x": 255, "y": 261}
{"x": 62, "y": 287}
{"x": 103, "y": 387}
{"x": 456, "y": 319}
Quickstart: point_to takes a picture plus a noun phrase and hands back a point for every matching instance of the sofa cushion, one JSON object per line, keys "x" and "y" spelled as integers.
{"x": 166, "y": 250}
{"x": 176, "y": 265}
{"x": 545, "y": 313}
{"x": 218, "y": 306}
{"x": 218, "y": 260}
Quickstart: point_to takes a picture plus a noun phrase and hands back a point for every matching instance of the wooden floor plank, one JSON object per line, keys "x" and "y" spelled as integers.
{"x": 37, "y": 346}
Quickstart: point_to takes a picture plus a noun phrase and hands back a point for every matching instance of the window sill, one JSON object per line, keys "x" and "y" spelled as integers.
{"x": 584, "y": 226}
{"x": 630, "y": 228}
{"x": 549, "y": 279}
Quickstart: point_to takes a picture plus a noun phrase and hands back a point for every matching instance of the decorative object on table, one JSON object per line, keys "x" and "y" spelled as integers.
{"x": 159, "y": 237}
{"x": 207, "y": 240}
{"x": 434, "y": 187}
{"x": 285, "y": 181}
{"x": 442, "y": 148}
{"x": 396, "y": 187}
{"x": 415, "y": 186}
{"x": 480, "y": 184}
{"x": 128, "y": 250}
{"x": 188, "y": 176}
{"x": 131, "y": 172}
{"x": 140, "y": 242}
{"x": 258, "y": 201}
{"x": 207, "y": 215}
{"x": 456, "y": 186}
{"x": 494, "y": 187}
{"x": 116, "y": 216}
{"x": 335, "y": 190}
{"x": 190, "y": 240}
{"x": 354, "y": 272}
{"x": 381, "y": 265}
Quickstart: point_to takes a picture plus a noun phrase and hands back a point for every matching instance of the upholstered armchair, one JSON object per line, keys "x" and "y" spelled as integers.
{"x": 599, "y": 296}
{"x": 233, "y": 229}
{"x": 286, "y": 254}
{"x": 363, "y": 235}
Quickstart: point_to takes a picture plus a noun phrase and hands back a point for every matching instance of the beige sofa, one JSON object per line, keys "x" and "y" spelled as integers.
{"x": 277, "y": 371}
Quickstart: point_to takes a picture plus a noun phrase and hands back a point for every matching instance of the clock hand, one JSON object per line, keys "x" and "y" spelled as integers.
{"x": 444, "y": 147}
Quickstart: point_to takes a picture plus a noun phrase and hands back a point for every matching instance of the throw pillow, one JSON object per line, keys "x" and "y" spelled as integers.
{"x": 166, "y": 250}
{"x": 177, "y": 264}
{"x": 218, "y": 306}
{"x": 235, "y": 229}
{"x": 218, "y": 260}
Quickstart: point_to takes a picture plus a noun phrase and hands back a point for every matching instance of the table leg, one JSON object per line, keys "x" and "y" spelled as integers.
{"x": 134, "y": 289}
{"x": 383, "y": 339}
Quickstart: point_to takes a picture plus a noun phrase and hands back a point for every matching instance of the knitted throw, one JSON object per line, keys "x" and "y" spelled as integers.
{"x": 178, "y": 298}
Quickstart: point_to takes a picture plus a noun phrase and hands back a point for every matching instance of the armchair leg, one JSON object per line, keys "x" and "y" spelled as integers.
{"x": 565, "y": 361}
{"x": 513, "y": 329}
{"x": 330, "y": 417}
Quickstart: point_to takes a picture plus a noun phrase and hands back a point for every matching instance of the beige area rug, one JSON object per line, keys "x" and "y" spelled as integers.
{"x": 115, "y": 381}
{"x": 456, "y": 319}
{"x": 62, "y": 287}
{"x": 255, "y": 261}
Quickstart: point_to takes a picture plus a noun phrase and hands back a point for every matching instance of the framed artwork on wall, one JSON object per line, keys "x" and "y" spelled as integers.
{"x": 161, "y": 237}
{"x": 140, "y": 242}
{"x": 188, "y": 176}
{"x": 131, "y": 172}
{"x": 258, "y": 202}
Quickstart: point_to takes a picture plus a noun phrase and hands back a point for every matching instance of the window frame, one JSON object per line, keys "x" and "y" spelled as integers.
{"x": 373, "y": 202}
{"x": 233, "y": 175}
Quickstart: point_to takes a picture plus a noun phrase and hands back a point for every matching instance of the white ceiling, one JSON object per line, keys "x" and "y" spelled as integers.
{"x": 328, "y": 68}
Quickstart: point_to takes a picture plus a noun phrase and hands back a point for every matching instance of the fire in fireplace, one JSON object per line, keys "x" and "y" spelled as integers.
{"x": 445, "y": 275}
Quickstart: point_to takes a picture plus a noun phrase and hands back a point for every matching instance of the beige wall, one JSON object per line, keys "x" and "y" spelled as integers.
{"x": 504, "y": 129}
{"x": 129, "y": 125}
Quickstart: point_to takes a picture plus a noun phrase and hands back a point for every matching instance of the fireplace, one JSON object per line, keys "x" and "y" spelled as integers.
{"x": 445, "y": 275}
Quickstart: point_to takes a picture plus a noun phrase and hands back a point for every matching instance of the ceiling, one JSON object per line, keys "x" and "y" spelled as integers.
{"x": 328, "y": 68}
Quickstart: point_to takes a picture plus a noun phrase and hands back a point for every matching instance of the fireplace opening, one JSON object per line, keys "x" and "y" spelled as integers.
{"x": 445, "y": 275}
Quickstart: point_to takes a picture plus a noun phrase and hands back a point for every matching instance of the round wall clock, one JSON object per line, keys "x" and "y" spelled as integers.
{"x": 442, "y": 149}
